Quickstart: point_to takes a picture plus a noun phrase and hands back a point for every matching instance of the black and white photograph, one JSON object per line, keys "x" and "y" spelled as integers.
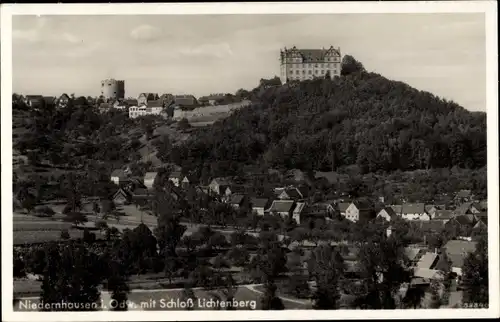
{"x": 299, "y": 158}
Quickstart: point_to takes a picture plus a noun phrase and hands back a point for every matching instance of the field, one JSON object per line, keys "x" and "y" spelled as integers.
{"x": 30, "y": 229}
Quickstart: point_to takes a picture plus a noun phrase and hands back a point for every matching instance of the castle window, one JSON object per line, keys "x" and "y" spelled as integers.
{"x": 310, "y": 72}
{"x": 304, "y": 72}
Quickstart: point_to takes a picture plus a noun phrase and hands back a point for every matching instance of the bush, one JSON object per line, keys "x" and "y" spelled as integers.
{"x": 44, "y": 211}
{"x": 65, "y": 235}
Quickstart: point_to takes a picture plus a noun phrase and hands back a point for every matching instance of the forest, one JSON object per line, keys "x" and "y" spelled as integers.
{"x": 324, "y": 124}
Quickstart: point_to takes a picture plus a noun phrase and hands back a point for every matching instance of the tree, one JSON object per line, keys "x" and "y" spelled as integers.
{"x": 327, "y": 268}
{"x": 269, "y": 300}
{"x": 29, "y": 203}
{"x": 383, "y": 267}
{"x": 475, "y": 274}
{"x": 116, "y": 284}
{"x": 169, "y": 230}
{"x": 76, "y": 218}
{"x": 184, "y": 124}
{"x": 350, "y": 66}
{"x": 72, "y": 275}
{"x": 65, "y": 235}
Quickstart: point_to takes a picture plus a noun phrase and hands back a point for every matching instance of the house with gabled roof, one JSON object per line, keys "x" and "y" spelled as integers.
{"x": 259, "y": 205}
{"x": 219, "y": 185}
{"x": 342, "y": 207}
{"x": 34, "y": 101}
{"x": 149, "y": 179}
{"x": 121, "y": 197}
{"x": 214, "y": 99}
{"x": 463, "y": 195}
{"x": 236, "y": 200}
{"x": 283, "y": 208}
{"x": 185, "y": 100}
{"x": 297, "y": 211}
{"x": 63, "y": 100}
{"x": 290, "y": 193}
{"x": 464, "y": 209}
{"x": 478, "y": 207}
{"x": 414, "y": 212}
{"x": 387, "y": 213}
{"x": 443, "y": 215}
{"x": 481, "y": 220}
{"x": 357, "y": 211}
{"x": 428, "y": 260}
{"x": 118, "y": 176}
{"x": 178, "y": 179}
{"x": 457, "y": 250}
{"x": 144, "y": 98}
{"x": 397, "y": 209}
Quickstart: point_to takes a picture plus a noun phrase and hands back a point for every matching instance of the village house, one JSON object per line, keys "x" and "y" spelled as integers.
{"x": 341, "y": 207}
{"x": 298, "y": 211}
{"x": 121, "y": 197}
{"x": 443, "y": 215}
{"x": 178, "y": 179}
{"x": 478, "y": 207}
{"x": 50, "y": 101}
{"x": 214, "y": 99}
{"x": 481, "y": 222}
{"x": 463, "y": 196}
{"x": 118, "y": 176}
{"x": 464, "y": 209}
{"x": 414, "y": 212}
{"x": 186, "y": 101}
{"x": 357, "y": 211}
{"x": 326, "y": 208}
{"x": 283, "y": 208}
{"x": 144, "y": 98}
{"x": 237, "y": 200}
{"x": 397, "y": 209}
{"x": 63, "y": 100}
{"x": 149, "y": 179}
{"x": 387, "y": 213}
{"x": 218, "y": 186}
{"x": 259, "y": 205}
{"x": 428, "y": 260}
{"x": 289, "y": 193}
{"x": 457, "y": 250}
{"x": 430, "y": 210}
{"x": 34, "y": 101}
{"x": 414, "y": 254}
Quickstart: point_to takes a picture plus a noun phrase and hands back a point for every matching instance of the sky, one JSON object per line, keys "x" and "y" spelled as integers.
{"x": 201, "y": 54}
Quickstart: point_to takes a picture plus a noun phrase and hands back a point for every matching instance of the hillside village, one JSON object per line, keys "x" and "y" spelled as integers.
{"x": 174, "y": 224}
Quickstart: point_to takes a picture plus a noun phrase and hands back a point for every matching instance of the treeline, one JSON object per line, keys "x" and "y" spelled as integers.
{"x": 73, "y": 136}
{"x": 359, "y": 119}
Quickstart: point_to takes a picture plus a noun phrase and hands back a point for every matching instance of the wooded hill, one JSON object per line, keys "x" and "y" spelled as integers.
{"x": 361, "y": 119}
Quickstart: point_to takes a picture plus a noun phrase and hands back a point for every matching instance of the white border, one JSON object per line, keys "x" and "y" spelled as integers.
{"x": 487, "y": 7}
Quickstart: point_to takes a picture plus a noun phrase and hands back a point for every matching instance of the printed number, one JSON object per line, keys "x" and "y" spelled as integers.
{"x": 475, "y": 305}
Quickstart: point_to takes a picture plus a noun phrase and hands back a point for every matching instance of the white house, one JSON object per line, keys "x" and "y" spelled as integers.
{"x": 387, "y": 213}
{"x": 297, "y": 211}
{"x": 178, "y": 179}
{"x": 118, "y": 176}
{"x": 356, "y": 211}
{"x": 149, "y": 179}
{"x": 414, "y": 212}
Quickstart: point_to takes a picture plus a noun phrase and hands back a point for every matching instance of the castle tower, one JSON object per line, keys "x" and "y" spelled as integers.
{"x": 113, "y": 89}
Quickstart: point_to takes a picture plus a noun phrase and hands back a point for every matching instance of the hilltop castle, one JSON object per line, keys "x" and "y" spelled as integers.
{"x": 302, "y": 64}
